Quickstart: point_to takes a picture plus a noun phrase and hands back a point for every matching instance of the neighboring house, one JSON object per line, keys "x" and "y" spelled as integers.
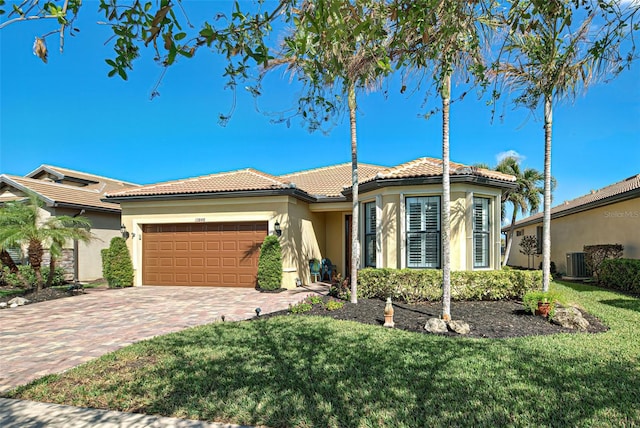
{"x": 610, "y": 215}
{"x": 67, "y": 192}
{"x": 208, "y": 230}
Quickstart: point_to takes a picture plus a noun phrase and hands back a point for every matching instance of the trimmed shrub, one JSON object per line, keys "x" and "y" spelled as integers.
{"x": 412, "y": 286}
{"x": 27, "y": 272}
{"x": 596, "y": 254}
{"x": 620, "y": 274}
{"x": 270, "y": 264}
{"x": 117, "y": 268}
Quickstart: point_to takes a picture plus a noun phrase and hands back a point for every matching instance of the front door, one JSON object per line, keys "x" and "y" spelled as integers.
{"x": 347, "y": 245}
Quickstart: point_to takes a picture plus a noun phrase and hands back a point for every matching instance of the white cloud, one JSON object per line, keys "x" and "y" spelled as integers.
{"x": 510, "y": 154}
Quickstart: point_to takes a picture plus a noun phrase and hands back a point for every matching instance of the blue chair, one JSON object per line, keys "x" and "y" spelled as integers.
{"x": 328, "y": 270}
{"x": 314, "y": 267}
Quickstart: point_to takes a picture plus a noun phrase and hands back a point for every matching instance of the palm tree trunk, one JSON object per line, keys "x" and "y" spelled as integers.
{"x": 546, "y": 218}
{"x": 355, "y": 241}
{"x": 510, "y": 238}
{"x": 52, "y": 270}
{"x": 5, "y": 259}
{"x": 35, "y": 253}
{"x": 446, "y": 203}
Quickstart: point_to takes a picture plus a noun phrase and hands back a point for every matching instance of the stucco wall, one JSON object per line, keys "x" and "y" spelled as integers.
{"x": 617, "y": 223}
{"x": 270, "y": 209}
{"x": 335, "y": 239}
{"x": 393, "y": 230}
{"x": 104, "y": 226}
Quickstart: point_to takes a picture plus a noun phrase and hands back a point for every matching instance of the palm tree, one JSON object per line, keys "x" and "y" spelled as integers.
{"x": 553, "y": 60}
{"x": 446, "y": 36}
{"x": 525, "y": 198}
{"x": 21, "y": 225}
{"x": 329, "y": 53}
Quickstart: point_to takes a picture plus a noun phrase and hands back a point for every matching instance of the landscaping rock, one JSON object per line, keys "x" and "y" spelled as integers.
{"x": 436, "y": 325}
{"x": 13, "y": 305}
{"x": 19, "y": 301}
{"x": 570, "y": 318}
{"x": 459, "y": 327}
{"x": 3, "y": 305}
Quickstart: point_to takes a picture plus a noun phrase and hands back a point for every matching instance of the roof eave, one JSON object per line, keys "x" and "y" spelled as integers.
{"x": 620, "y": 197}
{"x": 296, "y": 193}
{"x": 435, "y": 179}
{"x": 116, "y": 209}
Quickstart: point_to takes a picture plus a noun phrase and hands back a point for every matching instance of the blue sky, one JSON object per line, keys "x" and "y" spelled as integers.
{"x": 69, "y": 113}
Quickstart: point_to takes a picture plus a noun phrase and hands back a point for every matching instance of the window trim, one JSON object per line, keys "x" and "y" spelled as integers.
{"x": 437, "y": 232}
{"x": 367, "y": 208}
{"x": 485, "y": 234}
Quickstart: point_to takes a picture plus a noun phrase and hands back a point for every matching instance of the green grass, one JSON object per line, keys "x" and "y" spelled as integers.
{"x": 314, "y": 371}
{"x": 16, "y": 292}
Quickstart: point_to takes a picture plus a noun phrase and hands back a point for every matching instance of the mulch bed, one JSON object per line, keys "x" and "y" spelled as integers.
{"x": 492, "y": 319}
{"x": 42, "y": 296}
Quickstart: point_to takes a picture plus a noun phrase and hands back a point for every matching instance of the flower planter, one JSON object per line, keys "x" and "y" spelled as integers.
{"x": 543, "y": 309}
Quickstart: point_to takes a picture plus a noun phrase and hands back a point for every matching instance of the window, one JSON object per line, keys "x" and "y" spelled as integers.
{"x": 423, "y": 232}
{"x": 481, "y": 233}
{"x": 539, "y": 239}
{"x": 520, "y": 232}
{"x": 370, "y": 234}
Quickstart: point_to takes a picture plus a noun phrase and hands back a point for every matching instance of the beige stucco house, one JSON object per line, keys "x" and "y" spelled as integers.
{"x": 610, "y": 215}
{"x": 68, "y": 192}
{"x": 208, "y": 230}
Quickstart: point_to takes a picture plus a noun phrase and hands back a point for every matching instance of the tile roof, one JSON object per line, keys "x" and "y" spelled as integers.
{"x": 240, "y": 180}
{"x": 327, "y": 181}
{"x": 55, "y": 193}
{"x": 104, "y": 183}
{"x": 330, "y": 180}
{"x": 428, "y": 167}
{"x": 594, "y": 198}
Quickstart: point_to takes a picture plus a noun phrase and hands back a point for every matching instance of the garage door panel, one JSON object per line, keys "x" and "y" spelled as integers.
{"x": 212, "y": 254}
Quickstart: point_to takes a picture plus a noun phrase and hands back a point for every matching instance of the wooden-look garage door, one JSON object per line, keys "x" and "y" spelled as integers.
{"x": 209, "y": 254}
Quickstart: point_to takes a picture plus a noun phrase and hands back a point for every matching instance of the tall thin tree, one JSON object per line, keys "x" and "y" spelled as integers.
{"x": 555, "y": 52}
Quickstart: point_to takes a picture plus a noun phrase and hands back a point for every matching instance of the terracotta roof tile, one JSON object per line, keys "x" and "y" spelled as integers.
{"x": 627, "y": 185}
{"x": 426, "y": 167}
{"x": 240, "y": 180}
{"x": 102, "y": 183}
{"x": 60, "y": 193}
{"x": 330, "y": 180}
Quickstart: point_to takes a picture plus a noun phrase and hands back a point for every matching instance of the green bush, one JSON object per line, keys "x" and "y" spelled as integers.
{"x": 333, "y": 305}
{"x": 117, "y": 268}
{"x": 300, "y": 308}
{"x": 412, "y": 286}
{"x": 27, "y": 272}
{"x": 620, "y": 274}
{"x": 531, "y": 299}
{"x": 270, "y": 264}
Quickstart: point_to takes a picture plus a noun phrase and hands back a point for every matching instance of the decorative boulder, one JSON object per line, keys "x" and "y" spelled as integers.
{"x": 459, "y": 327}
{"x": 3, "y": 305}
{"x": 436, "y": 325}
{"x": 570, "y": 318}
{"x": 19, "y": 301}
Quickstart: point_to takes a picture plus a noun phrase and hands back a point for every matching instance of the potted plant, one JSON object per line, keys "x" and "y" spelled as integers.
{"x": 541, "y": 302}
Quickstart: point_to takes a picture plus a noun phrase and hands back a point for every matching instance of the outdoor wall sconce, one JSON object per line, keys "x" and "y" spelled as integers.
{"x": 277, "y": 229}
{"x": 123, "y": 231}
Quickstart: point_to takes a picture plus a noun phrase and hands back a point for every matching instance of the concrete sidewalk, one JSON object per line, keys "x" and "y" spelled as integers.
{"x": 28, "y": 414}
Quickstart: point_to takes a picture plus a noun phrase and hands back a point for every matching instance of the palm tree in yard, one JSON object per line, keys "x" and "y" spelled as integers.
{"x": 556, "y": 49}
{"x": 338, "y": 48}
{"x": 21, "y": 225}
{"x": 525, "y": 198}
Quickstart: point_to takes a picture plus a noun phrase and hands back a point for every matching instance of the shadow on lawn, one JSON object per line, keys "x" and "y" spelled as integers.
{"x": 633, "y": 305}
{"x": 288, "y": 372}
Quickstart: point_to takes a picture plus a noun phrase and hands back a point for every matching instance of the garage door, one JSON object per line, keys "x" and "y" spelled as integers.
{"x": 208, "y": 254}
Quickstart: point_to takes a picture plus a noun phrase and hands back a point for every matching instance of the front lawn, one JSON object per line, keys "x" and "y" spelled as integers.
{"x": 316, "y": 371}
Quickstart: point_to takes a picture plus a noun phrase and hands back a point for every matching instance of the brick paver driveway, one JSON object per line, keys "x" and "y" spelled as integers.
{"x": 53, "y": 336}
